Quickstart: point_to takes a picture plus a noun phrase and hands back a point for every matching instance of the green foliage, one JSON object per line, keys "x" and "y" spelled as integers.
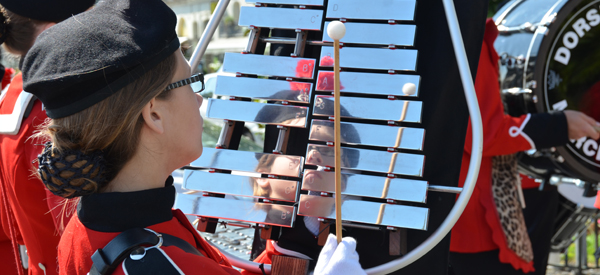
{"x": 215, "y": 65}
{"x": 493, "y": 7}
{"x": 590, "y": 249}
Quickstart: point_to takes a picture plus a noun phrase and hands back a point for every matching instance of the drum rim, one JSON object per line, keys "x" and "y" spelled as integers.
{"x": 571, "y": 162}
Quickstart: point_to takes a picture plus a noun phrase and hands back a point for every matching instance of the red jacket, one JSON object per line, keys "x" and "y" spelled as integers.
{"x": 101, "y": 217}
{"x": 26, "y": 204}
{"x": 479, "y": 229}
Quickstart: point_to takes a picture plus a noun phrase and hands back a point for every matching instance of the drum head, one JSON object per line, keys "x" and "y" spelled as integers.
{"x": 568, "y": 77}
{"x": 575, "y": 194}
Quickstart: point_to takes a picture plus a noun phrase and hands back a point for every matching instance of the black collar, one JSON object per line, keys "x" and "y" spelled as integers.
{"x": 119, "y": 211}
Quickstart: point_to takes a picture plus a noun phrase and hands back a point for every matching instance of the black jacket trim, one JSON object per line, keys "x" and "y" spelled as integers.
{"x": 119, "y": 211}
{"x": 547, "y": 129}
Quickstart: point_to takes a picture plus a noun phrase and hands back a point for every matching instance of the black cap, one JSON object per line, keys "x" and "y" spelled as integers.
{"x": 86, "y": 58}
{"x": 47, "y": 10}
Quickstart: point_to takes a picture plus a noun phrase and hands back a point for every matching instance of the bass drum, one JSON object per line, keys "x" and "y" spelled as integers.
{"x": 550, "y": 61}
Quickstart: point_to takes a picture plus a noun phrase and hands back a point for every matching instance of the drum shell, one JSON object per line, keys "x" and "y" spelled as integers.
{"x": 524, "y": 64}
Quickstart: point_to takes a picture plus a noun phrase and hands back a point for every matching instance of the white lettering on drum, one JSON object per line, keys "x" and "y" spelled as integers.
{"x": 586, "y": 147}
{"x": 580, "y": 142}
{"x": 562, "y": 55}
{"x": 581, "y": 27}
{"x": 571, "y": 39}
{"x": 593, "y": 17}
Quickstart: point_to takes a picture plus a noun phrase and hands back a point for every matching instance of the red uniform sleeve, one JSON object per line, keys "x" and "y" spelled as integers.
{"x": 502, "y": 134}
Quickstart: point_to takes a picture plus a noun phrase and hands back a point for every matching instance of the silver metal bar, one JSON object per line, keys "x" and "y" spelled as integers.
{"x": 376, "y": 34}
{"x": 281, "y": 18}
{"x": 371, "y": 58}
{"x": 370, "y": 108}
{"x": 237, "y": 210}
{"x": 300, "y": 43}
{"x": 253, "y": 39}
{"x": 365, "y": 212}
{"x": 363, "y": 226}
{"x": 290, "y": 2}
{"x": 281, "y": 140}
{"x": 225, "y": 133}
{"x": 476, "y": 149}
{"x": 291, "y": 41}
{"x": 367, "y": 160}
{"x": 269, "y": 89}
{"x": 268, "y": 164}
{"x": 301, "y": 68}
{"x": 367, "y": 186}
{"x": 369, "y": 134}
{"x": 403, "y": 10}
{"x": 273, "y": 114}
{"x": 207, "y": 35}
{"x": 445, "y": 189}
{"x": 272, "y": 189}
{"x": 368, "y": 83}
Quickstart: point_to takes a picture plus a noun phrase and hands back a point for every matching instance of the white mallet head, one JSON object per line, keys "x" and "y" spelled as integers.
{"x": 409, "y": 88}
{"x": 336, "y": 30}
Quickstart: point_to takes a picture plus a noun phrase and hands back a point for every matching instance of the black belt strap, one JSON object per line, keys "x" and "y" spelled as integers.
{"x": 105, "y": 260}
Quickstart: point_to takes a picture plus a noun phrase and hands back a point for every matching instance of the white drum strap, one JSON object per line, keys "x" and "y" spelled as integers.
{"x": 10, "y": 124}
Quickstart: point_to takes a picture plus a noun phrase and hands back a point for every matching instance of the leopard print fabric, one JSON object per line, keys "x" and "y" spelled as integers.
{"x": 505, "y": 187}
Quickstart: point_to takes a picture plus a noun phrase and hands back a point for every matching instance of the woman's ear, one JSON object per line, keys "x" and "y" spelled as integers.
{"x": 153, "y": 118}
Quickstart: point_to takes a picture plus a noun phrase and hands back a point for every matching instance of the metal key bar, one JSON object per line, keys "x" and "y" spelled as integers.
{"x": 376, "y": 34}
{"x": 371, "y": 58}
{"x": 237, "y": 210}
{"x": 402, "y": 10}
{"x": 272, "y": 189}
{"x": 370, "y": 108}
{"x": 367, "y": 160}
{"x": 269, "y": 89}
{"x": 301, "y": 68}
{"x": 369, "y": 134}
{"x": 269, "y": 164}
{"x": 365, "y": 212}
{"x": 367, "y": 186}
{"x": 368, "y": 83}
{"x": 290, "y": 2}
{"x": 281, "y": 18}
{"x": 274, "y": 114}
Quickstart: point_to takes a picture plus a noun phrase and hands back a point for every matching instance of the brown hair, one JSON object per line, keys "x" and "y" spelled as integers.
{"x": 19, "y": 32}
{"x": 111, "y": 126}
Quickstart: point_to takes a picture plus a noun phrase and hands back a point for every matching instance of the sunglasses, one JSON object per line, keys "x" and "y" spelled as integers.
{"x": 193, "y": 79}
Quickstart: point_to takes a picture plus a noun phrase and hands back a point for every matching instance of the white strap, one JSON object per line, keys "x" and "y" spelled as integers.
{"x": 10, "y": 124}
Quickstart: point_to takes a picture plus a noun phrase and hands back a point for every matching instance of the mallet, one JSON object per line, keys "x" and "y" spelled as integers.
{"x": 336, "y": 30}
{"x": 408, "y": 89}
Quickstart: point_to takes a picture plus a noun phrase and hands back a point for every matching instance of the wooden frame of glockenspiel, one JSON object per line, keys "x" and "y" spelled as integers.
{"x": 469, "y": 184}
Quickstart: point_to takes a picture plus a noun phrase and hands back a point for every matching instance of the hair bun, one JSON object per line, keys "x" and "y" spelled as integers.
{"x": 71, "y": 173}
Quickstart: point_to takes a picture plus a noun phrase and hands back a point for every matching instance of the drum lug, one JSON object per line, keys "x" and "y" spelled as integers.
{"x": 532, "y": 84}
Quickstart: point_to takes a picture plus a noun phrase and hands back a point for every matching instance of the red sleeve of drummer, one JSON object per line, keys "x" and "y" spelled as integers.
{"x": 502, "y": 134}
